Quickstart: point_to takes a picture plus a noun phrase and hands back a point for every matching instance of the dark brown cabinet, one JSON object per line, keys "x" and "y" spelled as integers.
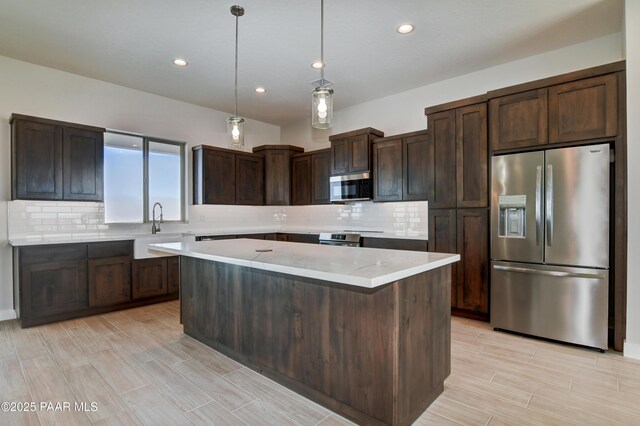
{"x": 442, "y": 239}
{"x": 109, "y": 281}
{"x": 442, "y": 136}
{"x": 310, "y": 178}
{"x": 472, "y": 290}
{"x": 519, "y": 120}
{"x": 303, "y": 238}
{"x": 53, "y": 160}
{"x": 63, "y": 281}
{"x": 173, "y": 274}
{"x": 387, "y": 170}
{"x": 320, "y": 172}
{"x": 277, "y": 172}
{"x": 394, "y": 244}
{"x": 223, "y": 176}
{"x": 301, "y": 180}
{"x": 149, "y": 277}
{"x": 53, "y": 281}
{"x": 249, "y": 179}
{"x": 350, "y": 151}
{"x": 402, "y": 168}
{"x": 583, "y": 109}
{"x": 472, "y": 156}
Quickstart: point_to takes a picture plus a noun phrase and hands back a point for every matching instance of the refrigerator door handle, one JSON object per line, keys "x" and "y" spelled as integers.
{"x": 549, "y": 204}
{"x": 546, "y": 272}
{"x": 538, "y": 204}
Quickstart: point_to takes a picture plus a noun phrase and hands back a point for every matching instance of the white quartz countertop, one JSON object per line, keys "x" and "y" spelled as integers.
{"x": 109, "y": 236}
{"x": 357, "y": 266}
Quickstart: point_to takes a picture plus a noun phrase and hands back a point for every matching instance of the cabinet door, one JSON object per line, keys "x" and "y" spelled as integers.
{"x": 519, "y": 120}
{"x": 83, "y": 153}
{"x": 473, "y": 270}
{"x": 340, "y": 156}
{"x": 249, "y": 179}
{"x": 173, "y": 274}
{"x": 219, "y": 177}
{"x": 472, "y": 156}
{"x": 320, "y": 172}
{"x": 301, "y": 180}
{"x": 417, "y": 157}
{"x": 149, "y": 277}
{"x": 359, "y": 153}
{"x": 53, "y": 288}
{"x": 277, "y": 177}
{"x": 584, "y": 109}
{"x": 442, "y": 239}
{"x": 37, "y": 161}
{"x": 109, "y": 281}
{"x": 387, "y": 170}
{"x": 442, "y": 134}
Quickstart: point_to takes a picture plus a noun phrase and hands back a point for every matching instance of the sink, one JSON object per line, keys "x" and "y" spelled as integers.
{"x": 141, "y": 249}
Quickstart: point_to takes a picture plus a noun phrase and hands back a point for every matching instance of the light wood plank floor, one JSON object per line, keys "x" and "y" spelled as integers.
{"x": 139, "y": 368}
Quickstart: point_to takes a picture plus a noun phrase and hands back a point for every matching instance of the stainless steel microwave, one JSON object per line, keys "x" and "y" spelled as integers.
{"x": 355, "y": 187}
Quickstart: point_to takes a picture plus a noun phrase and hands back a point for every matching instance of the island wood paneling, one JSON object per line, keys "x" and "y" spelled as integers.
{"x": 378, "y": 356}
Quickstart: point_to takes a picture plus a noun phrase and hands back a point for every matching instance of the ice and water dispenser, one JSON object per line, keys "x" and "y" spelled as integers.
{"x": 512, "y": 218}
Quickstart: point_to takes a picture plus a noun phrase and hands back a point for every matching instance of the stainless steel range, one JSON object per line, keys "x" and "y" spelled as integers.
{"x": 340, "y": 239}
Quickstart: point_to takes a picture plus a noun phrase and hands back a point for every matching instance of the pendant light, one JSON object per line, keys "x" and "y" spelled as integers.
{"x": 322, "y": 96}
{"x": 235, "y": 124}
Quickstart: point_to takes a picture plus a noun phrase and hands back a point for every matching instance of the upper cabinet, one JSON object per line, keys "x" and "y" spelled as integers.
{"x": 573, "y": 111}
{"x": 402, "y": 168}
{"x": 584, "y": 109}
{"x": 223, "y": 176}
{"x": 54, "y": 160}
{"x": 350, "y": 151}
{"x": 519, "y": 120}
{"x": 277, "y": 172}
{"x": 310, "y": 178}
{"x": 458, "y": 142}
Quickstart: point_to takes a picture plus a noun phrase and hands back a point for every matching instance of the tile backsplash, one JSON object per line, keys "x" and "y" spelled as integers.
{"x": 52, "y": 219}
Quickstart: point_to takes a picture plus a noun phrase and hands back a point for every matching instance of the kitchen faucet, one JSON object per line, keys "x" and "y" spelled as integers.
{"x": 155, "y": 228}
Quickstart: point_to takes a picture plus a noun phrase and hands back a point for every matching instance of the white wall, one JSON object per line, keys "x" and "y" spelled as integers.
{"x": 404, "y": 112}
{"x": 43, "y": 92}
{"x": 632, "y": 46}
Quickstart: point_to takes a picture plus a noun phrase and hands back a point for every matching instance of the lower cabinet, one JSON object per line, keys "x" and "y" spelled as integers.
{"x": 109, "y": 281}
{"x": 64, "y": 281}
{"x": 394, "y": 244}
{"x": 464, "y": 231}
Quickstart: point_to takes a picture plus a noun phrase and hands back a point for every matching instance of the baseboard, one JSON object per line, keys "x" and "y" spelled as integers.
{"x": 7, "y": 314}
{"x": 632, "y": 350}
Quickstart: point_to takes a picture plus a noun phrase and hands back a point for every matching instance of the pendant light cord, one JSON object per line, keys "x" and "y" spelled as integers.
{"x": 236, "y": 71}
{"x": 322, "y": 41}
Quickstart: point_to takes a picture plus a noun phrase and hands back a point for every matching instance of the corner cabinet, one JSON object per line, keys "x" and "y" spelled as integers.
{"x": 277, "y": 172}
{"x": 55, "y": 160}
{"x": 402, "y": 168}
{"x": 351, "y": 151}
{"x": 310, "y": 178}
{"x": 224, "y": 176}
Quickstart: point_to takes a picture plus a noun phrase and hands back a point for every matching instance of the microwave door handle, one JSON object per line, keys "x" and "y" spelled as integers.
{"x": 538, "y": 204}
{"x": 549, "y": 204}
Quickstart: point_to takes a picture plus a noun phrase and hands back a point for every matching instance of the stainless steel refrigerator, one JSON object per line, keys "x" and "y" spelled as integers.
{"x": 550, "y": 244}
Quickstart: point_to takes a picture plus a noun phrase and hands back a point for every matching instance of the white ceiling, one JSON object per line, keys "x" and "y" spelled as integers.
{"x": 133, "y": 42}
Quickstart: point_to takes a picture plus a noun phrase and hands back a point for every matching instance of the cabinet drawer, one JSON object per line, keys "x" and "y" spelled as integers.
{"x": 110, "y": 249}
{"x": 53, "y": 253}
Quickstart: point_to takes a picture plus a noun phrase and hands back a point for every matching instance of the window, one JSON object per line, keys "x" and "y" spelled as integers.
{"x": 140, "y": 171}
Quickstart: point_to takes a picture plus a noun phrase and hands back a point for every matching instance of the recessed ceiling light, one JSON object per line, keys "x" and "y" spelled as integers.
{"x": 180, "y": 62}
{"x": 261, "y": 90}
{"x": 405, "y": 28}
{"x": 317, "y": 65}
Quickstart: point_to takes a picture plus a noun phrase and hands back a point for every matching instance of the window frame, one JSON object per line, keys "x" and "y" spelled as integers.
{"x": 146, "y": 211}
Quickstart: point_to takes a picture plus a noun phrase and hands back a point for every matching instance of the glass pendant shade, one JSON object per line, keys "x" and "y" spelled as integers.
{"x": 235, "y": 132}
{"x": 322, "y": 107}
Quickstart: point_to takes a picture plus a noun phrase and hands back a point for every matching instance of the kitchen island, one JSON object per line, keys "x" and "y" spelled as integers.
{"x": 365, "y": 332}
